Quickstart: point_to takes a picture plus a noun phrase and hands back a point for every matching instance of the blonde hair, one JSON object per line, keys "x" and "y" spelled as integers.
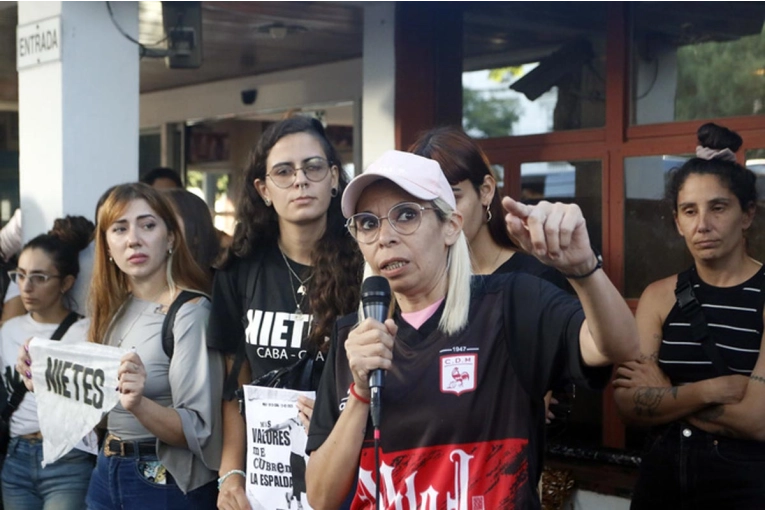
{"x": 109, "y": 287}
{"x": 458, "y": 274}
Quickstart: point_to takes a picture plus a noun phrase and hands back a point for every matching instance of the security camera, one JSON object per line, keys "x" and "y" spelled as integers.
{"x": 249, "y": 96}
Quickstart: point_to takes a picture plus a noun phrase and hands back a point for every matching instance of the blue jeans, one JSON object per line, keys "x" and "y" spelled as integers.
{"x": 28, "y": 486}
{"x": 689, "y": 469}
{"x": 123, "y": 483}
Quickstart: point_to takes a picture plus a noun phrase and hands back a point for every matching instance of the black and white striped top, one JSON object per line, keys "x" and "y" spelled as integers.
{"x": 734, "y": 317}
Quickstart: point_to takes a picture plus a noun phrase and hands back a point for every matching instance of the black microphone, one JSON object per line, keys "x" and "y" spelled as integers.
{"x": 375, "y": 300}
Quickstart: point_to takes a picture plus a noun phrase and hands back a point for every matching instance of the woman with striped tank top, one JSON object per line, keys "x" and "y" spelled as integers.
{"x": 700, "y": 376}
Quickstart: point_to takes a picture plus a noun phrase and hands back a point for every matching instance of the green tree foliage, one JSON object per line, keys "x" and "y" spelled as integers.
{"x": 487, "y": 116}
{"x": 718, "y": 79}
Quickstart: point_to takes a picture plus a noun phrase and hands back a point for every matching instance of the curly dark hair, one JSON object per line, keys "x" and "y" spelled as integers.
{"x": 741, "y": 181}
{"x": 336, "y": 259}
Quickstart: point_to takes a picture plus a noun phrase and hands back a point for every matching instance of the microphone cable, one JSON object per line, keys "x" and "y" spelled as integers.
{"x": 377, "y": 467}
{"x": 375, "y": 413}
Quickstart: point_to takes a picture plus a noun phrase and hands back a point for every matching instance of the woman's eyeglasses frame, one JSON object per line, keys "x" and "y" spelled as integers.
{"x": 19, "y": 277}
{"x": 315, "y": 170}
{"x": 352, "y": 222}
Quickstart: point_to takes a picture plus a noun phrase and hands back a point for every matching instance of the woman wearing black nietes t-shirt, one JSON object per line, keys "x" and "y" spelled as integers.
{"x": 290, "y": 245}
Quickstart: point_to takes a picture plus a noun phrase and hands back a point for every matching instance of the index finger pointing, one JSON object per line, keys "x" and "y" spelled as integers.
{"x": 516, "y": 208}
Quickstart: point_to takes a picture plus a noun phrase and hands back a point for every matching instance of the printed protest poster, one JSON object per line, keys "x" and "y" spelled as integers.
{"x": 276, "y": 440}
{"x": 75, "y": 384}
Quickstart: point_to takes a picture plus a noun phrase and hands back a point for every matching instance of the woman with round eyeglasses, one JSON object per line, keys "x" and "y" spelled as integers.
{"x": 468, "y": 359}
{"x": 290, "y": 271}
{"x": 47, "y": 269}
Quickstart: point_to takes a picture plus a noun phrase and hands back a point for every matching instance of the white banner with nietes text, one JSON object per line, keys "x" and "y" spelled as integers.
{"x": 276, "y": 441}
{"x": 75, "y": 385}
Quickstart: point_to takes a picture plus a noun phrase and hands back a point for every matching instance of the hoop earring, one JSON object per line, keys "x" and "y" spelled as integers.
{"x": 488, "y": 213}
{"x": 333, "y": 192}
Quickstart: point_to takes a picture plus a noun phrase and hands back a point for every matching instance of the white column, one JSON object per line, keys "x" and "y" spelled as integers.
{"x": 167, "y": 146}
{"x": 78, "y": 116}
{"x": 358, "y": 139}
{"x": 379, "y": 81}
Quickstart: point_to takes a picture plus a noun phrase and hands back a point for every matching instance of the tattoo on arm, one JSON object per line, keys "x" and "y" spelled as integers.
{"x": 647, "y": 400}
{"x": 757, "y": 378}
{"x": 654, "y": 356}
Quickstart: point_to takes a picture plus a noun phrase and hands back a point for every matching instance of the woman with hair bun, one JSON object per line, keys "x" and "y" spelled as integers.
{"x": 700, "y": 378}
{"x": 46, "y": 271}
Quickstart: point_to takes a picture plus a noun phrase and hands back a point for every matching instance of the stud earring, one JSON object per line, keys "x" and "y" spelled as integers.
{"x": 267, "y": 202}
{"x": 170, "y": 251}
{"x": 111, "y": 259}
{"x": 488, "y": 214}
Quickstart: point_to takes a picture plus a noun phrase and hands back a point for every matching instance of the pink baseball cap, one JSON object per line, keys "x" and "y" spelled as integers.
{"x": 420, "y": 177}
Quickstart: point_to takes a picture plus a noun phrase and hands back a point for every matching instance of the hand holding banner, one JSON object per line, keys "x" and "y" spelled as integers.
{"x": 75, "y": 385}
{"x": 276, "y": 440}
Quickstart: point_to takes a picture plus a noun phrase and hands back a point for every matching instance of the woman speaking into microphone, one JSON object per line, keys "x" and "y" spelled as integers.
{"x": 468, "y": 359}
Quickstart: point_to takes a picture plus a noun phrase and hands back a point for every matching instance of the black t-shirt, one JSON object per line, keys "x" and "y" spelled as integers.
{"x": 274, "y": 333}
{"x": 463, "y": 415}
{"x": 525, "y": 263}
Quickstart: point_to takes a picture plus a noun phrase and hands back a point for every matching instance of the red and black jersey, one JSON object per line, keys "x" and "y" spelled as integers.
{"x": 463, "y": 415}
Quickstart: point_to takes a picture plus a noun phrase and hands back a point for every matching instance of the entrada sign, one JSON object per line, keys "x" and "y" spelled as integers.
{"x": 38, "y": 43}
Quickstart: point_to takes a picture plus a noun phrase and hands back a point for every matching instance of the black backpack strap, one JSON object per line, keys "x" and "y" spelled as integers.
{"x": 65, "y": 324}
{"x": 253, "y": 272}
{"x": 20, "y": 389}
{"x": 700, "y": 332}
{"x": 168, "y": 338}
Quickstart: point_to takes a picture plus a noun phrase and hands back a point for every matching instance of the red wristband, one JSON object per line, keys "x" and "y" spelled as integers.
{"x": 356, "y": 395}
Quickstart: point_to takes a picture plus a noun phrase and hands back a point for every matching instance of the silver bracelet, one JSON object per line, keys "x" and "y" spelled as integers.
{"x": 232, "y": 472}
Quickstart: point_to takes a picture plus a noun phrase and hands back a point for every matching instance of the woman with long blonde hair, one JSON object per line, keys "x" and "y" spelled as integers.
{"x": 163, "y": 444}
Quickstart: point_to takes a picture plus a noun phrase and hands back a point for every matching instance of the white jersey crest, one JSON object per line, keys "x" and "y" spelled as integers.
{"x": 458, "y": 373}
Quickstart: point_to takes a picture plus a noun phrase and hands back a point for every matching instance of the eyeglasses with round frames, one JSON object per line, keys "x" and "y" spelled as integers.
{"x": 405, "y": 218}
{"x": 35, "y": 279}
{"x": 284, "y": 174}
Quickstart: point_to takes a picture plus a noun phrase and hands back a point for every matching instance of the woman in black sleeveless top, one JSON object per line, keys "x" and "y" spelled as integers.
{"x": 709, "y": 400}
